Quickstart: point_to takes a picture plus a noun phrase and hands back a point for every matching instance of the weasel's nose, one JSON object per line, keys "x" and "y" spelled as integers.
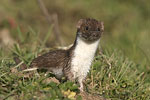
{"x": 94, "y": 34}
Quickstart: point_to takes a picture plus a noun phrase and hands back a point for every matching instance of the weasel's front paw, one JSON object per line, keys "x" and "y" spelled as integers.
{"x": 81, "y": 89}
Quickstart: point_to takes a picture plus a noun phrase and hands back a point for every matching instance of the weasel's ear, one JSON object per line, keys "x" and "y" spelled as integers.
{"x": 79, "y": 23}
{"x": 102, "y": 25}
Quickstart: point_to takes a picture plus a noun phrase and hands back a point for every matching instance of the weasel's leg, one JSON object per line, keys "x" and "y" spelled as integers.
{"x": 68, "y": 74}
{"x": 80, "y": 80}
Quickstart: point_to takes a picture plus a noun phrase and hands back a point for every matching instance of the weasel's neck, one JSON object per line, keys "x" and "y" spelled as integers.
{"x": 83, "y": 48}
{"x": 82, "y": 57}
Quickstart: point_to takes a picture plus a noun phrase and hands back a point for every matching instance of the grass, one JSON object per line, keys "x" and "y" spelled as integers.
{"x": 112, "y": 75}
{"x": 121, "y": 72}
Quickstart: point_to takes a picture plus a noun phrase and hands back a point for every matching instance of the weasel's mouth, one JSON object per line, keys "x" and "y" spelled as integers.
{"x": 90, "y": 37}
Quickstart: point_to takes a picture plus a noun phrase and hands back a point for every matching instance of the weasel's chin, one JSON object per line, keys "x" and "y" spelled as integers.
{"x": 93, "y": 39}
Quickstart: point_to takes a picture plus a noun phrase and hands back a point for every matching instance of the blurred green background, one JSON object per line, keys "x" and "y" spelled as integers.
{"x": 127, "y": 22}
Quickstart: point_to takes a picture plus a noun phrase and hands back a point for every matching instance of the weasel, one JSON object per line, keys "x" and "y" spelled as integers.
{"x": 74, "y": 63}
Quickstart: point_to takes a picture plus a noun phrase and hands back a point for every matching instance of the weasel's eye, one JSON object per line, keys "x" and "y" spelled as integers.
{"x": 98, "y": 29}
{"x": 86, "y": 28}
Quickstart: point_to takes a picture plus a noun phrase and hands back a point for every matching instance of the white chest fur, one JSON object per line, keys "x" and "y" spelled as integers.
{"x": 82, "y": 58}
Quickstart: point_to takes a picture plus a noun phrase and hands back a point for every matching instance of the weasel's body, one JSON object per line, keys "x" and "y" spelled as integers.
{"x": 75, "y": 62}
{"x": 54, "y": 61}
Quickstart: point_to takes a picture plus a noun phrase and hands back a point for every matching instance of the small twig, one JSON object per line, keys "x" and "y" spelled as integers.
{"x": 56, "y": 29}
{"x": 10, "y": 94}
{"x": 45, "y": 12}
{"x": 52, "y": 19}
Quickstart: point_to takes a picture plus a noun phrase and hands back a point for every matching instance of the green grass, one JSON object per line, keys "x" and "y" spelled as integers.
{"x": 120, "y": 73}
{"x": 112, "y": 76}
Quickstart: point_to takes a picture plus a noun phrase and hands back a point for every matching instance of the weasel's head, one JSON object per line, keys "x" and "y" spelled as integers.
{"x": 90, "y": 29}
